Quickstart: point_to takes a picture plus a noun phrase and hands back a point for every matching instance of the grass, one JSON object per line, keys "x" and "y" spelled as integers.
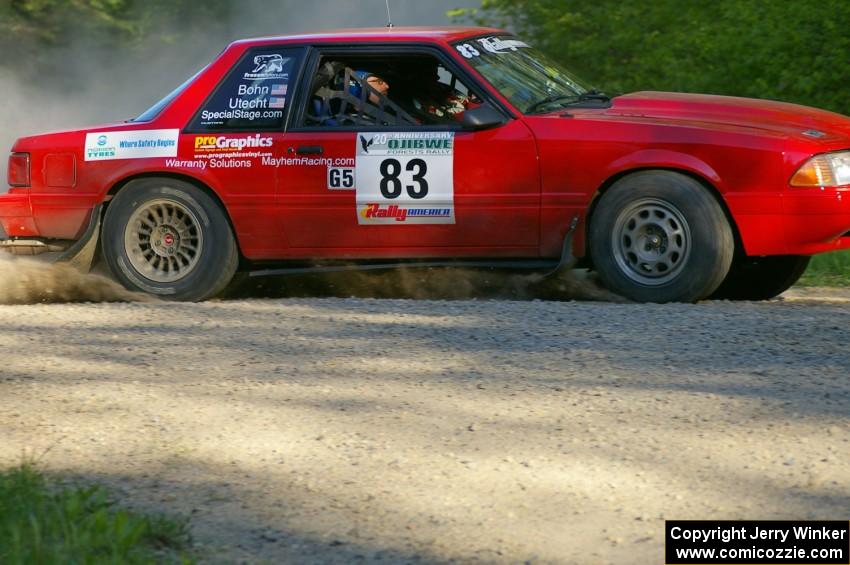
{"x": 828, "y": 269}
{"x": 41, "y": 524}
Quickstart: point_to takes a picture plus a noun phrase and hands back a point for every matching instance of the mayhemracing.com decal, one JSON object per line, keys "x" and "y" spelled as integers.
{"x": 405, "y": 178}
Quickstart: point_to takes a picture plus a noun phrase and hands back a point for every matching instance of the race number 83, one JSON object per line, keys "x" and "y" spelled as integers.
{"x": 414, "y": 183}
{"x": 408, "y": 175}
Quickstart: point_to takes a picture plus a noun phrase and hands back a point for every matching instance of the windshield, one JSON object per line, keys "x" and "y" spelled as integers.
{"x": 154, "y": 110}
{"x": 526, "y": 77}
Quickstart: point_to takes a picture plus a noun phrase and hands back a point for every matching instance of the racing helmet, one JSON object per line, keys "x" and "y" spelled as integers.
{"x": 355, "y": 87}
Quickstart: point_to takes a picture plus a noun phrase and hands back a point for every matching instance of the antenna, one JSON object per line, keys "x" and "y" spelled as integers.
{"x": 389, "y": 16}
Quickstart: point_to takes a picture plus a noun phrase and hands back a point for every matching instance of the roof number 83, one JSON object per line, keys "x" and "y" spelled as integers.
{"x": 391, "y": 183}
{"x": 468, "y": 50}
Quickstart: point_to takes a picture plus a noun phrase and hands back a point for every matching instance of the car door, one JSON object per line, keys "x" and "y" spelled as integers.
{"x": 234, "y": 139}
{"x": 407, "y": 191}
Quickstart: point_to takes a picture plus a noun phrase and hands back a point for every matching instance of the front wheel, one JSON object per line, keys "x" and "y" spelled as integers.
{"x": 761, "y": 278}
{"x": 659, "y": 236}
{"x": 167, "y": 238}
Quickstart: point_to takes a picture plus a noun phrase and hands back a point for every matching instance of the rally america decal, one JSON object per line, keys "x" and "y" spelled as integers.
{"x": 139, "y": 144}
{"x": 405, "y": 178}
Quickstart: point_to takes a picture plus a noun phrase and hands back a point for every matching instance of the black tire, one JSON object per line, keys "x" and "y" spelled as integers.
{"x": 660, "y": 236}
{"x": 761, "y": 278}
{"x": 168, "y": 238}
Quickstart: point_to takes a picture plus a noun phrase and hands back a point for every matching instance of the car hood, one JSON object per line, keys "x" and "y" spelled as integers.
{"x": 770, "y": 117}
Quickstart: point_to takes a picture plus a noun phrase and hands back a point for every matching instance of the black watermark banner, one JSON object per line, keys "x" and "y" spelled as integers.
{"x": 765, "y": 542}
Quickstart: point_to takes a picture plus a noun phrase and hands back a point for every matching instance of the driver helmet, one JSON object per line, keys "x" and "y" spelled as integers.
{"x": 355, "y": 88}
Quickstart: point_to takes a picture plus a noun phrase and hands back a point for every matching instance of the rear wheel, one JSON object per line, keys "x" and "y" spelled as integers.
{"x": 167, "y": 238}
{"x": 659, "y": 236}
{"x": 761, "y": 278}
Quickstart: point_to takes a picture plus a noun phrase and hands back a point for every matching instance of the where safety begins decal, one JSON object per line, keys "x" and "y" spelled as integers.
{"x": 405, "y": 178}
{"x": 136, "y": 144}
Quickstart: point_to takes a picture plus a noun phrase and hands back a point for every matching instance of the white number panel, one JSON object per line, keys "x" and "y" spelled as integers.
{"x": 405, "y": 178}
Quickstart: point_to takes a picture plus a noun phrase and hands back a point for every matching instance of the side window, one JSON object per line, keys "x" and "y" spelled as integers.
{"x": 390, "y": 90}
{"x": 254, "y": 95}
{"x": 447, "y": 79}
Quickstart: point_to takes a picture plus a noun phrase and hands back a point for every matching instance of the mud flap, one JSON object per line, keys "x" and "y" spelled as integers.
{"x": 568, "y": 260}
{"x": 81, "y": 254}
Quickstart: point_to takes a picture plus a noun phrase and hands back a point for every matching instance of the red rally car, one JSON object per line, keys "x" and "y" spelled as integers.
{"x": 375, "y": 148}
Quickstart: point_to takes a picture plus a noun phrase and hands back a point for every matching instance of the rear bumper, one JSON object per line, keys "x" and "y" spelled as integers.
{"x": 16, "y": 218}
{"x": 46, "y": 216}
{"x": 795, "y": 222}
{"x": 79, "y": 253}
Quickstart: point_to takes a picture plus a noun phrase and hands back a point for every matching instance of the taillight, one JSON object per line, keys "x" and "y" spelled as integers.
{"x": 19, "y": 169}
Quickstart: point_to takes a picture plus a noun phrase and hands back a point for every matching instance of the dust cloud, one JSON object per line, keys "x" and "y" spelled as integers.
{"x": 82, "y": 85}
{"x": 29, "y": 281}
{"x": 430, "y": 284}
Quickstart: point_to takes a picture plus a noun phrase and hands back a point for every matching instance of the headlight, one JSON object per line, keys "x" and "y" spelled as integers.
{"x": 826, "y": 170}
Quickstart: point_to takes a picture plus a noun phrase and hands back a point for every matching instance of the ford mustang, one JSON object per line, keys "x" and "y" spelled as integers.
{"x": 380, "y": 148}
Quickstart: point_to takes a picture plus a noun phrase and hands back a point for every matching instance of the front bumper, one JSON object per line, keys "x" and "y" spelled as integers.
{"x": 816, "y": 220}
{"x": 794, "y": 222}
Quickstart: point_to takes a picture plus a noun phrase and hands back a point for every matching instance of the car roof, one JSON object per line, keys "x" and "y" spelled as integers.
{"x": 377, "y": 34}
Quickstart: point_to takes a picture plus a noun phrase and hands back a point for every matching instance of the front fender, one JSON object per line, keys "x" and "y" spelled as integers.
{"x": 664, "y": 159}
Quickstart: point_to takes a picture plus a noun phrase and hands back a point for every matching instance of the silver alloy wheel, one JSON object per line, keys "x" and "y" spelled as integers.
{"x": 163, "y": 241}
{"x": 651, "y": 241}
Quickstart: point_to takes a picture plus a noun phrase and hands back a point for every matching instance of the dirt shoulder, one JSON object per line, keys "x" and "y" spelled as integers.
{"x": 819, "y": 293}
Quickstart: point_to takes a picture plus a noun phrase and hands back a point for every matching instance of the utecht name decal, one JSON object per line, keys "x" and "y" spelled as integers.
{"x": 139, "y": 144}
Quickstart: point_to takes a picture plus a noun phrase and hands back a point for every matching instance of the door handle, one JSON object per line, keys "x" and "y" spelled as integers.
{"x": 310, "y": 150}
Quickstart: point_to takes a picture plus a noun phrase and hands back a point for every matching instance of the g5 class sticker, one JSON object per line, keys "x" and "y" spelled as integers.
{"x": 405, "y": 177}
{"x": 340, "y": 178}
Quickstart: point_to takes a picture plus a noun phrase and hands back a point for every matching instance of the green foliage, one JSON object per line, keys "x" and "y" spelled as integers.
{"x": 29, "y": 27}
{"x": 49, "y": 42}
{"x": 791, "y": 51}
{"x": 38, "y": 525}
{"x": 828, "y": 269}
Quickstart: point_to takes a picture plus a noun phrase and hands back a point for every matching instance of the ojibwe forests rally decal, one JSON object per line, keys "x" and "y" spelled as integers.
{"x": 405, "y": 178}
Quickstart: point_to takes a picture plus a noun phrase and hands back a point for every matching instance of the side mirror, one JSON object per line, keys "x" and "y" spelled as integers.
{"x": 483, "y": 117}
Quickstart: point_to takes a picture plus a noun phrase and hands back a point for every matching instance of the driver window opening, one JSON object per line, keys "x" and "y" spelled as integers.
{"x": 409, "y": 91}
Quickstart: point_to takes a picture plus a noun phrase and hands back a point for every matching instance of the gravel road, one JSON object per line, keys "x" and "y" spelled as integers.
{"x": 396, "y": 430}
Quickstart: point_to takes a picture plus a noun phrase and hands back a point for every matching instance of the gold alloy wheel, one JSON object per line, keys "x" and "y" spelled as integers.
{"x": 163, "y": 241}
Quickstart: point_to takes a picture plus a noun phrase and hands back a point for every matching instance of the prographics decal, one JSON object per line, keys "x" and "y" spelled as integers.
{"x": 228, "y": 144}
{"x": 140, "y": 144}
